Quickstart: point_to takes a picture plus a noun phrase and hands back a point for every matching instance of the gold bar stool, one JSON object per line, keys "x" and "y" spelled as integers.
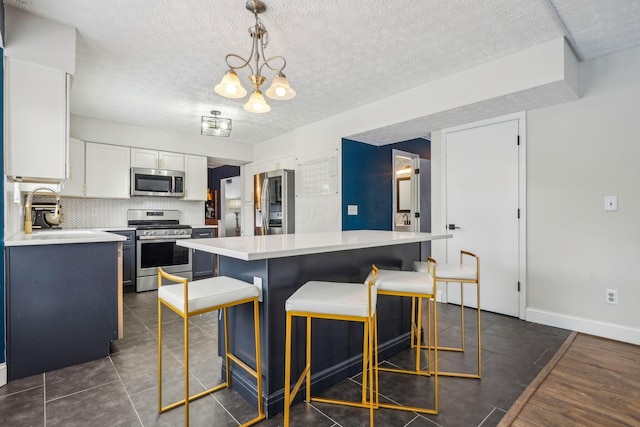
{"x": 416, "y": 285}
{"x": 201, "y": 296}
{"x": 336, "y": 301}
{"x": 467, "y": 271}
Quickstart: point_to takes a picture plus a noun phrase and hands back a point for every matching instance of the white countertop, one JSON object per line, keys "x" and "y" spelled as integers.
{"x": 250, "y": 248}
{"x": 59, "y": 237}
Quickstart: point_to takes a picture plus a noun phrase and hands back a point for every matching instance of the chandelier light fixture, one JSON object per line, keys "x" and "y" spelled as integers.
{"x": 216, "y": 126}
{"x": 230, "y": 86}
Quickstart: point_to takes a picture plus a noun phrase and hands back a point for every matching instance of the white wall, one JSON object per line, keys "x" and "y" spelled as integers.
{"x": 117, "y": 133}
{"x": 577, "y": 153}
{"x": 36, "y": 39}
{"x": 438, "y": 247}
{"x": 523, "y": 72}
{"x": 13, "y": 210}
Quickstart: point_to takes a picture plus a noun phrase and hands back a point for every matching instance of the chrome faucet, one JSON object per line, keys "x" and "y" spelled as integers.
{"x": 56, "y": 216}
{"x": 406, "y": 219}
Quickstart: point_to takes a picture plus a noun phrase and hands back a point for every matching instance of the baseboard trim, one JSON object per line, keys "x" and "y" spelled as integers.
{"x": 587, "y": 326}
{"x": 3, "y": 374}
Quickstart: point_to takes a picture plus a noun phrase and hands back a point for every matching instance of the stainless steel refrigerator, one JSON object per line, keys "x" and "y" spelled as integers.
{"x": 274, "y": 201}
{"x": 230, "y": 220}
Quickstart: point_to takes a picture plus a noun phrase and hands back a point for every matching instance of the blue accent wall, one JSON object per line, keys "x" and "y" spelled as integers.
{"x": 367, "y": 172}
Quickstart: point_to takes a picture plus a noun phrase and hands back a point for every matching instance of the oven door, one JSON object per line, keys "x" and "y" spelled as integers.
{"x": 164, "y": 253}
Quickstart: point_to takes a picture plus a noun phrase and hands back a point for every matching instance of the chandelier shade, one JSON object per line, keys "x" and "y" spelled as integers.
{"x": 280, "y": 88}
{"x": 257, "y": 103}
{"x": 215, "y": 126}
{"x": 230, "y": 85}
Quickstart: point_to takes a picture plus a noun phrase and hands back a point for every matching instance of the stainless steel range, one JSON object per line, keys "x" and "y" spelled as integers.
{"x": 156, "y": 234}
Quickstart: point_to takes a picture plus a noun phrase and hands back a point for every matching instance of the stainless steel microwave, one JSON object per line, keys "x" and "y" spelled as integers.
{"x": 157, "y": 182}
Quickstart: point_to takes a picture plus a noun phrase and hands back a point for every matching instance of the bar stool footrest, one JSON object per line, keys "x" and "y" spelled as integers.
{"x": 194, "y": 397}
{"x": 408, "y": 408}
{"x": 407, "y": 371}
{"x": 342, "y": 402}
{"x": 458, "y": 375}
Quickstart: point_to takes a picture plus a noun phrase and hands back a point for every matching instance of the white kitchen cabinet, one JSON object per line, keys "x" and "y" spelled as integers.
{"x": 195, "y": 177}
{"x": 173, "y": 161}
{"x": 74, "y": 185}
{"x": 152, "y": 159}
{"x": 107, "y": 173}
{"x": 36, "y": 120}
{"x": 247, "y": 172}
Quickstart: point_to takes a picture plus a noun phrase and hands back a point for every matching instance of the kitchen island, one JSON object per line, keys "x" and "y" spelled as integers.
{"x": 280, "y": 264}
{"x": 64, "y": 299}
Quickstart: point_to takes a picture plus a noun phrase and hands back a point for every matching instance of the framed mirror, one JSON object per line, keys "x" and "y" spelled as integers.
{"x": 403, "y": 192}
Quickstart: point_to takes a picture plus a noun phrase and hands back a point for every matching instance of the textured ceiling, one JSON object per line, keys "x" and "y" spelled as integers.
{"x": 155, "y": 62}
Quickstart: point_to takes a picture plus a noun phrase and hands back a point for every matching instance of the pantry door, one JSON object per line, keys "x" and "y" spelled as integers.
{"x": 483, "y": 210}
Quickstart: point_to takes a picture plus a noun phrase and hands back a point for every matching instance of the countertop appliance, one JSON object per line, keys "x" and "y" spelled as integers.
{"x": 157, "y": 182}
{"x": 49, "y": 218}
{"x": 274, "y": 201}
{"x": 156, "y": 234}
{"x": 39, "y": 215}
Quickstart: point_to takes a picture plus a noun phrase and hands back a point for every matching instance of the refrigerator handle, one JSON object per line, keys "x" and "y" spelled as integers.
{"x": 264, "y": 200}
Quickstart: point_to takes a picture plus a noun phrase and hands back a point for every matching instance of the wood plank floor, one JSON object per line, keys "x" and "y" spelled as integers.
{"x": 592, "y": 381}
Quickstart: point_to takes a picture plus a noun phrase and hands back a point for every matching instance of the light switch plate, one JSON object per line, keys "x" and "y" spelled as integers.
{"x": 352, "y": 210}
{"x": 611, "y": 203}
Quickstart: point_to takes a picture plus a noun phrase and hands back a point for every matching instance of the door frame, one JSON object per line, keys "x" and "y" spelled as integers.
{"x": 415, "y": 188}
{"x": 522, "y": 195}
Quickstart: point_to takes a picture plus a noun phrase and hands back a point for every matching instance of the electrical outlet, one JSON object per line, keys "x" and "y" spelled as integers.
{"x": 611, "y": 296}
{"x": 611, "y": 203}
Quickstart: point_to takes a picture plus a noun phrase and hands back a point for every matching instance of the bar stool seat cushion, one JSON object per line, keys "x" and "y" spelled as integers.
{"x": 332, "y": 298}
{"x": 208, "y": 293}
{"x": 404, "y": 281}
{"x": 449, "y": 271}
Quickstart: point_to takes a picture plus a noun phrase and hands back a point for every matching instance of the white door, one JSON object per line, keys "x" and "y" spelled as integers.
{"x": 482, "y": 188}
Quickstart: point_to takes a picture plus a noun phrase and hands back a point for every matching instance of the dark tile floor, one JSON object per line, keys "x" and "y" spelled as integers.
{"x": 121, "y": 390}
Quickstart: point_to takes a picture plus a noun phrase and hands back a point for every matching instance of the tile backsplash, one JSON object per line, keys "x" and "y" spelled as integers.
{"x": 92, "y": 213}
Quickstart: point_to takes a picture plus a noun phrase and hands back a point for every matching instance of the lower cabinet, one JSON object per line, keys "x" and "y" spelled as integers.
{"x": 128, "y": 260}
{"x": 203, "y": 263}
{"x": 62, "y": 305}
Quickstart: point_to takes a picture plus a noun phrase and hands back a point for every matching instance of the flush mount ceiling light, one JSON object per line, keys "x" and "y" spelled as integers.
{"x": 230, "y": 86}
{"x": 216, "y": 126}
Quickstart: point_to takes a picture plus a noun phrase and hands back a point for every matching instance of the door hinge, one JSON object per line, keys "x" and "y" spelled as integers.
{"x": 416, "y": 214}
{"x": 518, "y": 286}
{"x": 518, "y": 141}
{"x": 417, "y": 171}
{"x": 518, "y": 213}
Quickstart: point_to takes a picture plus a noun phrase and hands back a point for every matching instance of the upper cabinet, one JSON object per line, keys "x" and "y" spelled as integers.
{"x": 195, "y": 177}
{"x": 107, "y": 172}
{"x": 73, "y": 186}
{"x": 36, "y": 120}
{"x": 151, "y": 159}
